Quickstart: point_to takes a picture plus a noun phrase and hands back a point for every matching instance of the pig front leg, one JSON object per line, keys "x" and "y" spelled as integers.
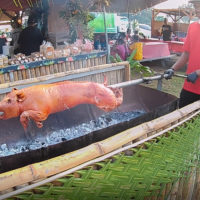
{"x": 37, "y": 116}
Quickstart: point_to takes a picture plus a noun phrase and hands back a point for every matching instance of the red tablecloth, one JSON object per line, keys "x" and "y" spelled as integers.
{"x": 155, "y": 50}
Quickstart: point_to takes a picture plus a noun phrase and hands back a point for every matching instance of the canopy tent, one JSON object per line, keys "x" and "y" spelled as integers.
{"x": 176, "y": 14}
{"x": 17, "y": 5}
{"x": 132, "y": 6}
{"x": 8, "y": 17}
{"x": 115, "y": 5}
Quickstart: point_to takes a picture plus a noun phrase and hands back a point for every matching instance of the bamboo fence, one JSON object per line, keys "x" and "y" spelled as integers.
{"x": 52, "y": 69}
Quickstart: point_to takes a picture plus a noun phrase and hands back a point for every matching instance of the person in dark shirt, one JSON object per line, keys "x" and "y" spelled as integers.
{"x": 30, "y": 38}
{"x": 166, "y": 31}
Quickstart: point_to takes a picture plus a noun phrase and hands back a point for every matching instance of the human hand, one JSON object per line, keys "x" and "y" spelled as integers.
{"x": 192, "y": 77}
{"x": 169, "y": 73}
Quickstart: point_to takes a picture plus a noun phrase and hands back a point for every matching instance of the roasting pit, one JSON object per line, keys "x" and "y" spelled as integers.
{"x": 78, "y": 127}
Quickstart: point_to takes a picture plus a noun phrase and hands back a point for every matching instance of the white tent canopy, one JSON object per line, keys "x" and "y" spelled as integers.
{"x": 119, "y": 6}
{"x": 132, "y": 6}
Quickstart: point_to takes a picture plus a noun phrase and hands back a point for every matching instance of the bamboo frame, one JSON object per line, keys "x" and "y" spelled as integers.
{"x": 67, "y": 161}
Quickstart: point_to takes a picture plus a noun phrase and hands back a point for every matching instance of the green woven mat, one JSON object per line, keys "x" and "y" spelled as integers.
{"x": 141, "y": 172}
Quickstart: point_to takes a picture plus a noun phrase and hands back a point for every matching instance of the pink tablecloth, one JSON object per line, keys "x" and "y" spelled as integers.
{"x": 175, "y": 46}
{"x": 155, "y": 50}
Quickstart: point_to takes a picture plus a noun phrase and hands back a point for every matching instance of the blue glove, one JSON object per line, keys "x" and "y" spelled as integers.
{"x": 169, "y": 73}
{"x": 192, "y": 77}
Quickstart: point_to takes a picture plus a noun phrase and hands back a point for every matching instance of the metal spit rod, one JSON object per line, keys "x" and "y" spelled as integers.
{"x": 144, "y": 80}
{"x": 138, "y": 81}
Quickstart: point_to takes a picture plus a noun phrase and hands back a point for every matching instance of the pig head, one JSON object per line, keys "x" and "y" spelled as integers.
{"x": 24, "y": 103}
{"x": 10, "y": 105}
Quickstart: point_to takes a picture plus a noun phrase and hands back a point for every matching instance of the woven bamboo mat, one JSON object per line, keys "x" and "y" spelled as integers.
{"x": 149, "y": 171}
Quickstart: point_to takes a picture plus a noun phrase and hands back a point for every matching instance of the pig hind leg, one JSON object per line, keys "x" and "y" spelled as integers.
{"x": 37, "y": 116}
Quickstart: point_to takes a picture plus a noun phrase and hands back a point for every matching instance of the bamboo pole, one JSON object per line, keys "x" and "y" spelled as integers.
{"x": 28, "y": 73}
{"x": 88, "y": 63}
{"x": 174, "y": 191}
{"x": 6, "y": 78}
{"x": 196, "y": 194}
{"x": 47, "y": 70}
{"x": 127, "y": 73}
{"x": 19, "y": 74}
{"x": 2, "y": 79}
{"x": 70, "y": 160}
{"x": 63, "y": 67}
{"x": 15, "y": 76}
{"x": 67, "y": 66}
{"x": 33, "y": 75}
{"x": 11, "y": 76}
{"x": 37, "y": 72}
{"x": 51, "y": 69}
{"x": 55, "y": 68}
{"x": 24, "y": 74}
{"x": 72, "y": 66}
{"x": 180, "y": 189}
{"x": 43, "y": 70}
{"x": 59, "y": 67}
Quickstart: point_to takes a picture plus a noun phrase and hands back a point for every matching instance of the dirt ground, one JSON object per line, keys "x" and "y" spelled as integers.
{"x": 172, "y": 86}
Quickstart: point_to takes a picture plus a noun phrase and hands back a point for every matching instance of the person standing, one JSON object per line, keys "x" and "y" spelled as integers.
{"x": 191, "y": 88}
{"x": 166, "y": 31}
{"x": 30, "y": 38}
{"x": 16, "y": 30}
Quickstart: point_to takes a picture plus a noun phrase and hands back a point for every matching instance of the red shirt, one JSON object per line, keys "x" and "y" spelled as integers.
{"x": 192, "y": 46}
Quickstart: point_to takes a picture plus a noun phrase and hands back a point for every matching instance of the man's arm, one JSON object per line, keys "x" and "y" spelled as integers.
{"x": 181, "y": 62}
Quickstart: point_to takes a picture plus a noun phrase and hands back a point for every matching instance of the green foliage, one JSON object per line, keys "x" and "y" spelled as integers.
{"x": 77, "y": 19}
{"x": 136, "y": 66}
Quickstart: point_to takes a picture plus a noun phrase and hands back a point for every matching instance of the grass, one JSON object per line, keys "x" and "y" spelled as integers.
{"x": 172, "y": 86}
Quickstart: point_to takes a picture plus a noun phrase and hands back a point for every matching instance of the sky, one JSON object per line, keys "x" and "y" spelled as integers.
{"x": 171, "y": 4}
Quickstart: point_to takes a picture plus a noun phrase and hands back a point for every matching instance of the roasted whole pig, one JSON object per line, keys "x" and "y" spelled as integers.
{"x": 37, "y": 102}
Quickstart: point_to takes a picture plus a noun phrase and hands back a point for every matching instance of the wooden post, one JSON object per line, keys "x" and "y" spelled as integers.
{"x": 15, "y": 76}
{"x": 127, "y": 73}
{"x": 51, "y": 69}
{"x": 48, "y": 70}
{"x": 37, "y": 72}
{"x": 42, "y": 70}
{"x": 67, "y": 66}
{"x": 33, "y": 75}
{"x": 28, "y": 73}
{"x": 11, "y": 76}
{"x": 2, "y": 79}
{"x": 24, "y": 74}
{"x": 55, "y": 68}
{"x": 59, "y": 67}
{"x": 63, "y": 67}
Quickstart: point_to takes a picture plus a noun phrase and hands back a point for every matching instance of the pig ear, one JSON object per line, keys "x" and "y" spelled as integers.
{"x": 14, "y": 89}
{"x": 20, "y": 96}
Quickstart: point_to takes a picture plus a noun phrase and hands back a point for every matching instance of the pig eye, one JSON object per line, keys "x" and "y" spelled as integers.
{"x": 9, "y": 101}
